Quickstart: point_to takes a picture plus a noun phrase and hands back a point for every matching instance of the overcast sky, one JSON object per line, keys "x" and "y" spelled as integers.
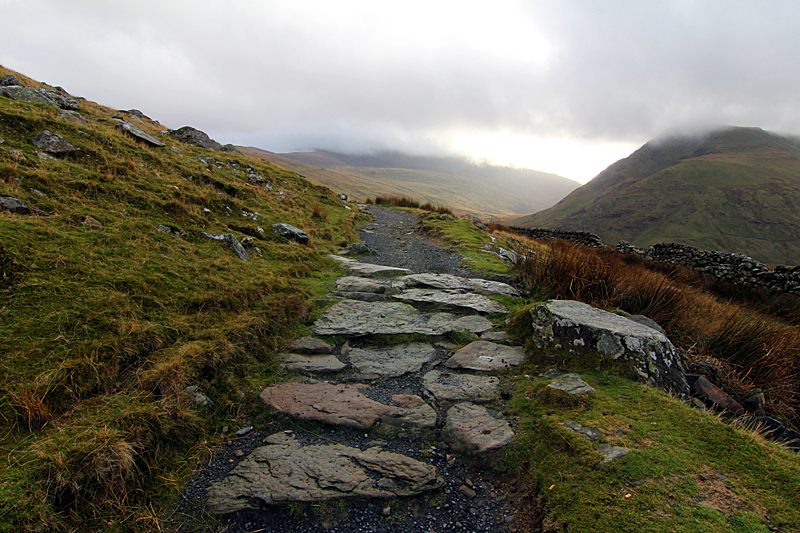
{"x": 566, "y": 87}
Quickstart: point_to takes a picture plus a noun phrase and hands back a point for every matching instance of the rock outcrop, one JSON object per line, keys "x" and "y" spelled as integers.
{"x": 581, "y": 328}
{"x": 190, "y": 135}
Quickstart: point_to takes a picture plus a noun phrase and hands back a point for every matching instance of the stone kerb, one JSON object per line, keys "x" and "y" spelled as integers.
{"x": 580, "y": 328}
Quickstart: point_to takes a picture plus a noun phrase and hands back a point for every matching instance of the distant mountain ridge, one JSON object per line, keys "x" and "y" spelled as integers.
{"x": 734, "y": 190}
{"x": 479, "y": 189}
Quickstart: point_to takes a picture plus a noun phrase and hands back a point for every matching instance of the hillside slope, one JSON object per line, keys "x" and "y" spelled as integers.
{"x": 114, "y": 301}
{"x": 733, "y": 190}
{"x": 483, "y": 190}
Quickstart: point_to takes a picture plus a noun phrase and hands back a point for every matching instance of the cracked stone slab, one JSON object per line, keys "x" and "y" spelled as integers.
{"x": 445, "y": 299}
{"x": 571, "y": 384}
{"x": 580, "y": 328}
{"x": 347, "y": 405}
{"x": 358, "y": 284}
{"x": 451, "y": 282}
{"x": 311, "y": 363}
{"x": 471, "y": 430}
{"x": 369, "y": 269}
{"x": 486, "y": 356}
{"x": 354, "y": 317}
{"x": 391, "y": 361}
{"x": 282, "y": 473}
{"x": 453, "y": 387}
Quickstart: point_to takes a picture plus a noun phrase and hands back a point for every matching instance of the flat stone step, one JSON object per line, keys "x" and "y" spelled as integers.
{"x": 288, "y": 472}
{"x": 486, "y": 356}
{"x": 369, "y": 269}
{"x": 454, "y": 387}
{"x": 471, "y": 430}
{"x": 445, "y": 299}
{"x": 347, "y": 405}
{"x": 310, "y": 345}
{"x": 311, "y": 363}
{"x": 354, "y": 317}
{"x": 391, "y": 361}
{"x": 450, "y": 282}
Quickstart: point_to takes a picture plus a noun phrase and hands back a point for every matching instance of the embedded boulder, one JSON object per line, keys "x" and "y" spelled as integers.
{"x": 190, "y": 135}
{"x": 39, "y": 96}
{"x": 290, "y": 232}
{"x": 580, "y": 328}
{"x": 289, "y": 472}
{"x": 14, "y": 205}
{"x": 140, "y": 135}
{"x": 453, "y": 387}
{"x": 233, "y": 243}
{"x": 311, "y": 363}
{"x": 52, "y": 143}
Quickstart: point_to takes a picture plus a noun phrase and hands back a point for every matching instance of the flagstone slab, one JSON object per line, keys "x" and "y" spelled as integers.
{"x": 452, "y": 300}
{"x": 311, "y": 363}
{"x": 391, "y": 361}
{"x": 471, "y": 430}
{"x": 347, "y": 405}
{"x": 310, "y": 345}
{"x": 369, "y": 269}
{"x": 454, "y": 387}
{"x": 289, "y": 472}
{"x": 451, "y": 282}
{"x": 354, "y": 317}
{"x": 572, "y": 384}
{"x": 486, "y": 356}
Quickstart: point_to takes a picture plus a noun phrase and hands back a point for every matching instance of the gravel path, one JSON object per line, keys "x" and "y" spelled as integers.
{"x": 392, "y": 235}
{"x": 484, "y": 507}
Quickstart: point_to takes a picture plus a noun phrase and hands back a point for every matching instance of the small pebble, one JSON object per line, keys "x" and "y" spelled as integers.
{"x": 244, "y": 431}
{"x": 238, "y": 453}
{"x": 466, "y": 491}
{"x": 386, "y": 511}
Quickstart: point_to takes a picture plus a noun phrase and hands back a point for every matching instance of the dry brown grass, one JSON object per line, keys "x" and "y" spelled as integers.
{"x": 762, "y": 349}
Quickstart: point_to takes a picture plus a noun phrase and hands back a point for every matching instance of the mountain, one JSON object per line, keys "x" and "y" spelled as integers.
{"x": 733, "y": 189}
{"x": 479, "y": 189}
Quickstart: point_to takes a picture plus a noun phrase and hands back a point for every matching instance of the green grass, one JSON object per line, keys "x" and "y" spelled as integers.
{"x": 104, "y": 327}
{"x": 686, "y": 470}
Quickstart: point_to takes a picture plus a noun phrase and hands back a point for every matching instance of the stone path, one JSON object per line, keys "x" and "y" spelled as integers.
{"x": 400, "y": 411}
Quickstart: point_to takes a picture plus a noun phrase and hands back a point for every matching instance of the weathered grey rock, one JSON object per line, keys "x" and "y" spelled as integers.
{"x": 494, "y": 336}
{"x": 175, "y": 232}
{"x": 643, "y": 320}
{"x": 442, "y": 299}
{"x": 359, "y": 284}
{"x": 611, "y": 453}
{"x": 471, "y": 430}
{"x": 368, "y": 269}
{"x": 190, "y": 135}
{"x": 40, "y": 96}
{"x": 451, "y": 282}
{"x": 353, "y": 317}
{"x": 139, "y": 134}
{"x": 9, "y": 203}
{"x": 73, "y": 117}
{"x": 590, "y": 434}
{"x": 391, "y": 361}
{"x": 310, "y": 345}
{"x": 233, "y": 243}
{"x": 291, "y": 473}
{"x": 486, "y": 356}
{"x": 52, "y": 143}
{"x": 572, "y": 384}
{"x": 346, "y": 405}
{"x": 290, "y": 232}
{"x": 311, "y": 363}
{"x": 580, "y": 328}
{"x": 453, "y": 387}
{"x": 9, "y": 79}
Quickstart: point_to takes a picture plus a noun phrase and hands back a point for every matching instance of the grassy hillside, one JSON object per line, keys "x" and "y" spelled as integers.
{"x": 107, "y": 320}
{"x": 735, "y": 190}
{"x": 483, "y": 190}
